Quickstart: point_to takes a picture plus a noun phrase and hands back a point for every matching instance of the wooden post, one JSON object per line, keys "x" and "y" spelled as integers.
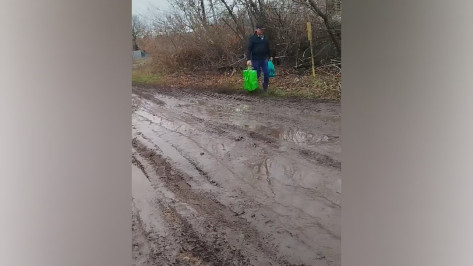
{"x": 309, "y": 35}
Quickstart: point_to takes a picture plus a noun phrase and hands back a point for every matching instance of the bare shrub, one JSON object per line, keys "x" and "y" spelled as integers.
{"x": 212, "y": 34}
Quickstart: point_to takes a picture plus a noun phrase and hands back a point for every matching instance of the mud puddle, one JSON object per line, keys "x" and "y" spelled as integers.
{"x": 258, "y": 176}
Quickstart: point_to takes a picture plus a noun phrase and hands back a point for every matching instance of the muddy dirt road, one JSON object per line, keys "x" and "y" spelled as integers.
{"x": 234, "y": 180}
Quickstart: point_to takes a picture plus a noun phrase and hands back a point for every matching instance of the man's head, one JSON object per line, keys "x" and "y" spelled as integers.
{"x": 259, "y": 30}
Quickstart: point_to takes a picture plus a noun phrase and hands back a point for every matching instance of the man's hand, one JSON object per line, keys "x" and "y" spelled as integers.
{"x": 248, "y": 63}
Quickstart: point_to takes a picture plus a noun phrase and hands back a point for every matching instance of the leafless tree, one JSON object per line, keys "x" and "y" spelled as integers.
{"x": 212, "y": 34}
{"x": 137, "y": 30}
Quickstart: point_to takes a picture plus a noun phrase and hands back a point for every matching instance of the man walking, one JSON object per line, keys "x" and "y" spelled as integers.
{"x": 258, "y": 54}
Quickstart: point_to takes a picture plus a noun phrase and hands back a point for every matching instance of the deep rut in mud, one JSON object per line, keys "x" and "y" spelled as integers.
{"x": 234, "y": 180}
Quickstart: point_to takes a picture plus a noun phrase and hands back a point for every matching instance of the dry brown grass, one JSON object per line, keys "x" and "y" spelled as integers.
{"x": 324, "y": 86}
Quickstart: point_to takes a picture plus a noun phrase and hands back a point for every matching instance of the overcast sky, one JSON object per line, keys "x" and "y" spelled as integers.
{"x": 142, "y": 6}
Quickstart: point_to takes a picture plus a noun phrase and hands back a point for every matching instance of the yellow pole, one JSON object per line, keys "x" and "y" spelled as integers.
{"x": 309, "y": 35}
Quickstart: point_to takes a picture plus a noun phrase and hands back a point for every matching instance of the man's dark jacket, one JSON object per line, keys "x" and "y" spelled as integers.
{"x": 258, "y": 49}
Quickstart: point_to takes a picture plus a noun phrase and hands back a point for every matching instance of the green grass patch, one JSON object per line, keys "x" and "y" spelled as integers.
{"x": 139, "y": 77}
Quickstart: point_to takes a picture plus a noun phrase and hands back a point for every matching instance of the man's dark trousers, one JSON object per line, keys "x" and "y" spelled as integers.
{"x": 259, "y": 65}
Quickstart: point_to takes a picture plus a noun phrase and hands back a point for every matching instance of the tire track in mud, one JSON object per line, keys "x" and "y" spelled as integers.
{"x": 142, "y": 244}
{"x": 151, "y": 238}
{"x": 192, "y": 249}
{"x": 221, "y": 128}
{"x": 189, "y": 160}
{"x": 214, "y": 249}
{"x": 217, "y": 224}
{"x": 228, "y": 130}
{"x": 321, "y": 159}
{"x": 198, "y": 168}
{"x": 148, "y": 92}
{"x": 224, "y": 128}
{"x": 194, "y": 164}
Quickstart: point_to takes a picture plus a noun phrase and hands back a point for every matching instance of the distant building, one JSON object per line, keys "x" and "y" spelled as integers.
{"x": 138, "y": 54}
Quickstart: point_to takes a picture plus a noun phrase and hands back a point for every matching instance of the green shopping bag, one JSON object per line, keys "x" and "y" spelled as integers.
{"x": 272, "y": 71}
{"x": 250, "y": 79}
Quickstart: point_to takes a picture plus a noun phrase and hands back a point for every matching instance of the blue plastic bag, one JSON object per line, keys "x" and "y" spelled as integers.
{"x": 272, "y": 71}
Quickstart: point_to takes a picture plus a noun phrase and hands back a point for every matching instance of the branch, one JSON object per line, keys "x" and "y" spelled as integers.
{"x": 234, "y": 30}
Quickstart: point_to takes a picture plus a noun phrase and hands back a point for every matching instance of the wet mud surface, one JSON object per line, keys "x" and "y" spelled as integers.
{"x": 234, "y": 180}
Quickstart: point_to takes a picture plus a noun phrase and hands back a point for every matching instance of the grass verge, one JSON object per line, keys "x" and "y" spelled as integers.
{"x": 324, "y": 86}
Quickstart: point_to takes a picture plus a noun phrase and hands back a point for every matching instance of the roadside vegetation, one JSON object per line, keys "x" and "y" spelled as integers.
{"x": 201, "y": 44}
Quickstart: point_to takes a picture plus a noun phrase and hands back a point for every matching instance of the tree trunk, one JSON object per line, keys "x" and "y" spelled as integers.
{"x": 213, "y": 11}
{"x": 204, "y": 16}
{"x": 235, "y": 19}
{"x": 334, "y": 36}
